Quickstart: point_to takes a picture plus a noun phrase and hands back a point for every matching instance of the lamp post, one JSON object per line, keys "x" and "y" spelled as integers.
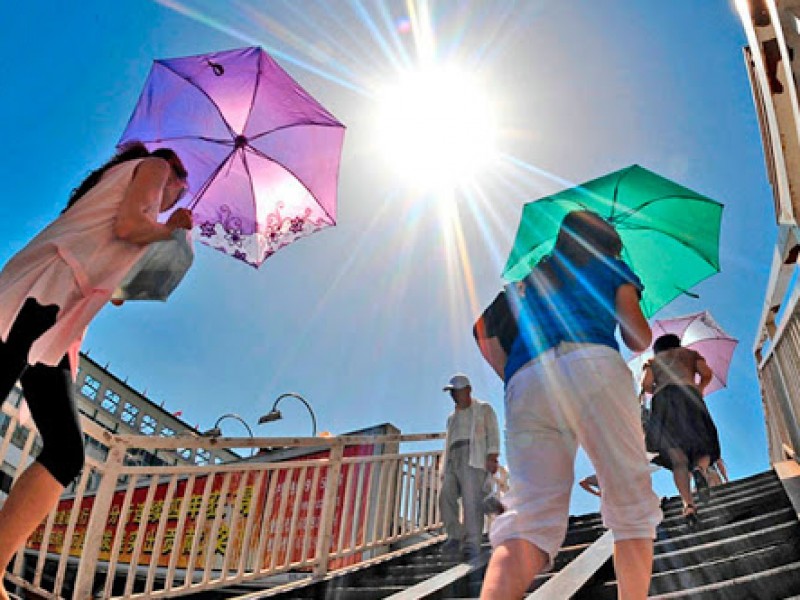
{"x": 275, "y": 414}
{"x": 217, "y": 432}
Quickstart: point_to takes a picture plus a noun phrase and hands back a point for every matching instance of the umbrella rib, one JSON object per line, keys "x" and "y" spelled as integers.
{"x": 310, "y": 193}
{"x": 291, "y": 125}
{"x": 204, "y": 93}
{"x": 207, "y": 183}
{"x": 252, "y": 188}
{"x": 614, "y": 199}
{"x": 202, "y": 138}
{"x": 639, "y": 208}
{"x": 679, "y": 241}
{"x": 253, "y": 99}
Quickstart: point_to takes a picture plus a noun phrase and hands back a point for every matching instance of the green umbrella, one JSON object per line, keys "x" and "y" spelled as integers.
{"x": 670, "y": 233}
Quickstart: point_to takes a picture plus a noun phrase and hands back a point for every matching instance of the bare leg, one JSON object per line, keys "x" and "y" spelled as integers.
{"x": 33, "y": 496}
{"x": 633, "y": 563}
{"x": 680, "y": 473}
{"x": 704, "y": 462}
{"x": 511, "y": 570}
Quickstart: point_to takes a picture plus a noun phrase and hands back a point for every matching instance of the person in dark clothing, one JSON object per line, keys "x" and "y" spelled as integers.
{"x": 495, "y": 331}
{"x": 680, "y": 427}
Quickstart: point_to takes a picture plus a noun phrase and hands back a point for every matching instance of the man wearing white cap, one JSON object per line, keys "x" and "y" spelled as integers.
{"x": 471, "y": 450}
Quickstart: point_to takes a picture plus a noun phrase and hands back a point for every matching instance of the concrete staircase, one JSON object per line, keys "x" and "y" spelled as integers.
{"x": 746, "y": 545}
{"x": 428, "y": 573}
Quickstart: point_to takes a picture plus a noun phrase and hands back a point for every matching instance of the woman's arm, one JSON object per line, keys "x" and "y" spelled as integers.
{"x": 705, "y": 373}
{"x": 648, "y": 381}
{"x": 635, "y": 330}
{"x": 493, "y": 352}
{"x": 134, "y": 222}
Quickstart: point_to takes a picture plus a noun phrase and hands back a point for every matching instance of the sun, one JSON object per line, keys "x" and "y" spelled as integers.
{"x": 436, "y": 128}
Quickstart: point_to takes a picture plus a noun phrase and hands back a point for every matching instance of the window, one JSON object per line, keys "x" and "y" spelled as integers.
{"x": 185, "y": 453}
{"x": 148, "y": 425}
{"x": 20, "y": 436}
{"x": 95, "y": 448}
{"x": 202, "y": 457}
{"x": 167, "y": 432}
{"x": 90, "y": 387}
{"x": 129, "y": 414}
{"x": 5, "y": 420}
{"x": 110, "y": 401}
{"x": 15, "y": 397}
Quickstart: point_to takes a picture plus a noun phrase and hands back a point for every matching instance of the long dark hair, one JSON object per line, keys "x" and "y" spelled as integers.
{"x": 583, "y": 236}
{"x": 129, "y": 151}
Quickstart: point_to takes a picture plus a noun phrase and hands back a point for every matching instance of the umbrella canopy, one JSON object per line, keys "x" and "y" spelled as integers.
{"x": 670, "y": 233}
{"x": 262, "y": 154}
{"x": 699, "y": 332}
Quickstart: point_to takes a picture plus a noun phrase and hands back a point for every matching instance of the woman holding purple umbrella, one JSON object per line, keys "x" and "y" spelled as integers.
{"x": 50, "y": 291}
{"x": 680, "y": 428}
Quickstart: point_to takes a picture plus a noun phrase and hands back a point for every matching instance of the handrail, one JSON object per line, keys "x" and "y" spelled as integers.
{"x": 315, "y": 506}
{"x": 194, "y": 441}
{"x": 789, "y": 314}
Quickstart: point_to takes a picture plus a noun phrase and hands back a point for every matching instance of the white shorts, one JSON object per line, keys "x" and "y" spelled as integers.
{"x": 554, "y": 403}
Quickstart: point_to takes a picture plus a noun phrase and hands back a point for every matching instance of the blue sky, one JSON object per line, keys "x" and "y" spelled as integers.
{"x": 367, "y": 320}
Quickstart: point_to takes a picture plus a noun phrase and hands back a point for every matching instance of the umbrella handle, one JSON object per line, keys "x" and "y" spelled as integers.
{"x": 688, "y": 293}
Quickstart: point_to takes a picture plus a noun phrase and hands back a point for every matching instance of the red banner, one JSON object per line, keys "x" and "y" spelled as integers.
{"x": 348, "y": 522}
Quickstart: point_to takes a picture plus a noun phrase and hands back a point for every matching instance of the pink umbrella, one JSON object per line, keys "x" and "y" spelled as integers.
{"x": 700, "y": 332}
{"x": 262, "y": 154}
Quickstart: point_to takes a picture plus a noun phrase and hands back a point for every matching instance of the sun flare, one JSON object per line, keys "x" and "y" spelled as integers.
{"x": 436, "y": 128}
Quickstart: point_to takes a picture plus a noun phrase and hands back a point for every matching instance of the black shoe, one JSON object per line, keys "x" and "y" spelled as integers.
{"x": 701, "y": 484}
{"x": 690, "y": 514}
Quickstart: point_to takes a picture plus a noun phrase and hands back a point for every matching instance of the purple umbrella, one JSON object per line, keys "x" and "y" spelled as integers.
{"x": 700, "y": 332}
{"x": 262, "y": 154}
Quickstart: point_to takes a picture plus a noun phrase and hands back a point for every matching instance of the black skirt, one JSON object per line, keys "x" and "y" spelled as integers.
{"x": 680, "y": 419}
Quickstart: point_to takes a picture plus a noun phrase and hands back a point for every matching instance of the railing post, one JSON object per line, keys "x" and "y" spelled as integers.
{"x": 325, "y": 532}
{"x": 784, "y": 397}
{"x": 87, "y": 568}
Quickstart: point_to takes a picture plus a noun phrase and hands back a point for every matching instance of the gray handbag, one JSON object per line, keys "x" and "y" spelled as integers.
{"x": 163, "y": 266}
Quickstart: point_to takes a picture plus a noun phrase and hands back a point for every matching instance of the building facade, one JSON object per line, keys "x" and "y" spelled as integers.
{"x": 110, "y": 402}
{"x": 773, "y": 33}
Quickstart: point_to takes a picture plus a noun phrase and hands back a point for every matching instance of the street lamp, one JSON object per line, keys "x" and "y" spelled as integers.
{"x": 217, "y": 432}
{"x": 275, "y": 414}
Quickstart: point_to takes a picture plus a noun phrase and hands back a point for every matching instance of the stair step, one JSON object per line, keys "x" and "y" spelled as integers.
{"x": 715, "y": 549}
{"x": 777, "y": 582}
{"x": 702, "y": 534}
{"x": 726, "y": 568}
{"x": 730, "y": 511}
{"x": 747, "y": 545}
{"x": 360, "y": 593}
{"x": 673, "y": 505}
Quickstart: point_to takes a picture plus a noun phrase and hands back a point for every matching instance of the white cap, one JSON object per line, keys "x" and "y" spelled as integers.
{"x": 458, "y": 381}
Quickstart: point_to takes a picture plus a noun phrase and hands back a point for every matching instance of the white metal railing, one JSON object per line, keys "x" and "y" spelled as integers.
{"x": 779, "y": 377}
{"x": 166, "y": 531}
